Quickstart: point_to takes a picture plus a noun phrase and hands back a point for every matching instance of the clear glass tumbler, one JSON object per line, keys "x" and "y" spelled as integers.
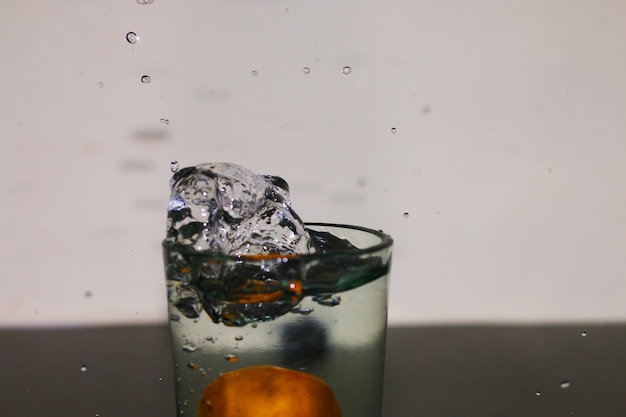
{"x": 281, "y": 335}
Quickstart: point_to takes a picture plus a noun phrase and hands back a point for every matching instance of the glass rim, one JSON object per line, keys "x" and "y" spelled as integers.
{"x": 386, "y": 241}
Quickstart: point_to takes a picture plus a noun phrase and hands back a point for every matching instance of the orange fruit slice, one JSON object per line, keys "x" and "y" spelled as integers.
{"x": 268, "y": 391}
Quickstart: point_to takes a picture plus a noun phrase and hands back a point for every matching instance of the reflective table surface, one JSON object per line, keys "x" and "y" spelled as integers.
{"x": 486, "y": 371}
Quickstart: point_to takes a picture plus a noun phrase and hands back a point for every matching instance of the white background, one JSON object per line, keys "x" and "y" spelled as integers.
{"x": 509, "y": 154}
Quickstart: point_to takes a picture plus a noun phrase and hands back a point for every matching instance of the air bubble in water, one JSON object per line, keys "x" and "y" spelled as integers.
{"x": 189, "y": 347}
{"x": 238, "y": 337}
{"x": 145, "y": 79}
{"x": 230, "y": 357}
{"x": 174, "y": 166}
{"x": 306, "y": 70}
{"x": 405, "y": 215}
{"x": 566, "y": 383}
{"x": 83, "y": 368}
{"x": 145, "y": 1}
{"x": 132, "y": 37}
{"x": 394, "y": 130}
{"x": 346, "y": 70}
{"x": 100, "y": 84}
{"x": 583, "y": 333}
{"x": 255, "y": 73}
{"x": 537, "y": 393}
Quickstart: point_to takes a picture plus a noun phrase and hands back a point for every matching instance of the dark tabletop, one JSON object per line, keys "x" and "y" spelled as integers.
{"x": 486, "y": 371}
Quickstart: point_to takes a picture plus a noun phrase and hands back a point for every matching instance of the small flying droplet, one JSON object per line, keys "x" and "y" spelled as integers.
{"x": 145, "y": 1}
{"x": 231, "y": 357}
{"x": 132, "y": 37}
{"x": 306, "y": 70}
{"x": 393, "y": 130}
{"x": 405, "y": 215}
{"x": 255, "y": 73}
{"x": 145, "y": 79}
{"x": 346, "y": 70}
{"x": 537, "y": 393}
{"x": 174, "y": 166}
{"x": 566, "y": 383}
{"x": 83, "y": 368}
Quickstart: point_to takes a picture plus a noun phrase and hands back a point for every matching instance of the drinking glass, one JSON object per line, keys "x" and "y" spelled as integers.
{"x": 301, "y": 332}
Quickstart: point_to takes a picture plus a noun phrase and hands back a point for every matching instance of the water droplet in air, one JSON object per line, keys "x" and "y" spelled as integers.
{"x": 255, "y": 73}
{"x": 145, "y": 79}
{"x": 583, "y": 333}
{"x": 346, "y": 70}
{"x": 145, "y": 1}
{"x": 83, "y": 368}
{"x": 174, "y": 166}
{"x": 100, "y": 84}
{"x": 405, "y": 215}
{"x": 393, "y": 130}
{"x": 230, "y": 357}
{"x": 566, "y": 383}
{"x": 132, "y": 37}
{"x": 239, "y": 337}
{"x": 306, "y": 70}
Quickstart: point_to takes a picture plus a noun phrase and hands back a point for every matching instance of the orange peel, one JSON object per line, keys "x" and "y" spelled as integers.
{"x": 268, "y": 391}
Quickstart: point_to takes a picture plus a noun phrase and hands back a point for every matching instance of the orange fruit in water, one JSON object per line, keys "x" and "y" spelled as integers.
{"x": 268, "y": 391}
